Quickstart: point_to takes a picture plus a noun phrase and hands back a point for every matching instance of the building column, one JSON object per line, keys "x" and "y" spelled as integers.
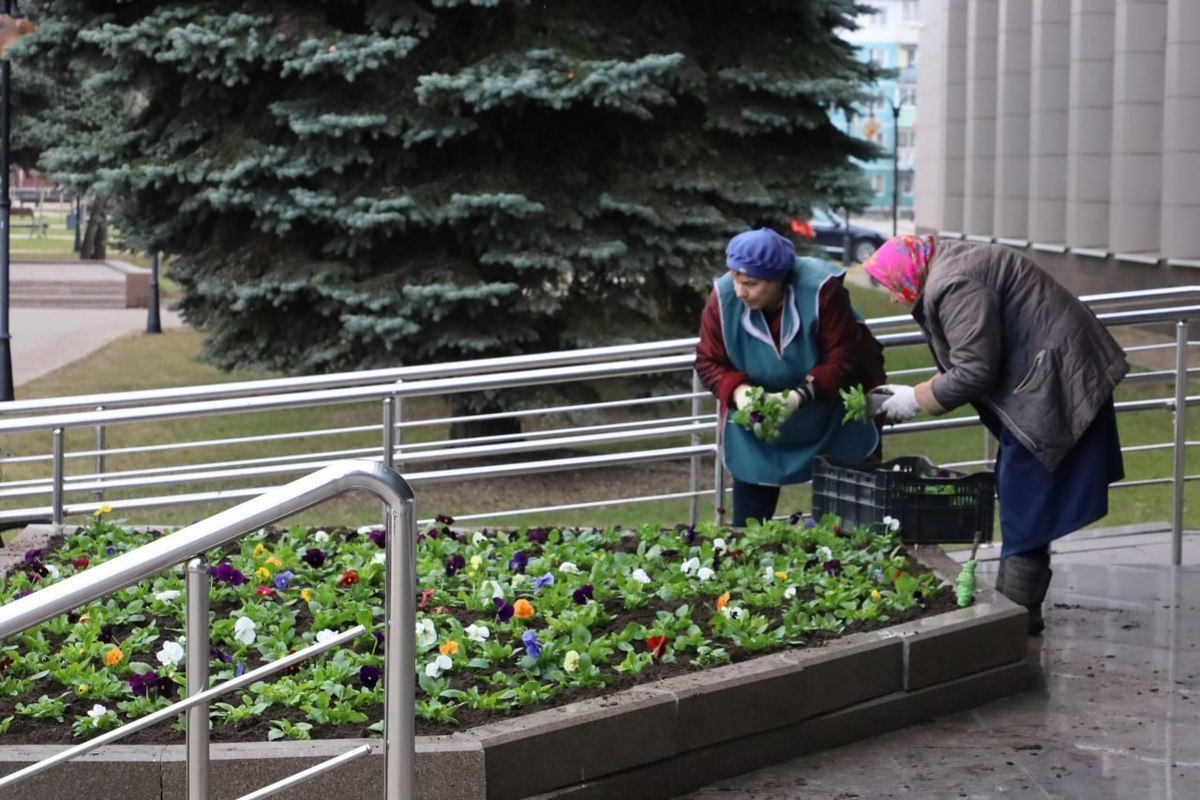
{"x": 1137, "y": 134}
{"x": 941, "y": 89}
{"x": 1011, "y": 213}
{"x": 1089, "y": 128}
{"x": 980, "y": 157}
{"x": 1049, "y": 90}
{"x": 1181, "y": 133}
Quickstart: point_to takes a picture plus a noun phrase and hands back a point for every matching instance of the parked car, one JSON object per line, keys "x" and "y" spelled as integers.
{"x": 830, "y": 233}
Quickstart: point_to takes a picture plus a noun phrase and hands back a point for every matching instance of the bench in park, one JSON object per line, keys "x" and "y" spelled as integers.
{"x": 22, "y": 217}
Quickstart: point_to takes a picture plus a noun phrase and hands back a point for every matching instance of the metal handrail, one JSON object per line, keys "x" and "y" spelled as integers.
{"x": 266, "y": 509}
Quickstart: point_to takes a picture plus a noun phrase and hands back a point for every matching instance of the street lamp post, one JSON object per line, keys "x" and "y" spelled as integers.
{"x": 153, "y": 325}
{"x": 895, "y": 104}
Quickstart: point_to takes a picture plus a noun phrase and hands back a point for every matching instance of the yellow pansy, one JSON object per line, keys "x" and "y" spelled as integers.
{"x": 104, "y": 508}
{"x": 82, "y": 689}
{"x": 781, "y": 575}
{"x": 570, "y": 661}
{"x": 274, "y": 562}
{"x": 875, "y": 595}
{"x": 263, "y": 574}
{"x": 259, "y": 550}
{"x": 306, "y": 595}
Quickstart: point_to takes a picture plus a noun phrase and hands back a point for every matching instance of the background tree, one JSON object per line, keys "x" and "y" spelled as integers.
{"x": 357, "y": 184}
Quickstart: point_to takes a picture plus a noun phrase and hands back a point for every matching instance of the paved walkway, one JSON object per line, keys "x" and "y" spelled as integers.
{"x": 1114, "y": 713}
{"x": 44, "y": 339}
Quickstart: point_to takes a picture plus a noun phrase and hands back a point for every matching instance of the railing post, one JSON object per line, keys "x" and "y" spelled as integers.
{"x": 99, "y": 493}
{"x": 694, "y": 469}
{"x": 197, "y": 626}
{"x": 56, "y": 501}
{"x": 389, "y": 445}
{"x": 719, "y": 473}
{"x": 399, "y": 653}
{"x": 1181, "y": 344}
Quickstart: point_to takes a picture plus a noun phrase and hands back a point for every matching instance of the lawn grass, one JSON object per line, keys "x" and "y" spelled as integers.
{"x": 170, "y": 359}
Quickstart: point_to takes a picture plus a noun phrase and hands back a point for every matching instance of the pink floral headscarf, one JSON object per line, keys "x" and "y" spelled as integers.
{"x": 901, "y": 264}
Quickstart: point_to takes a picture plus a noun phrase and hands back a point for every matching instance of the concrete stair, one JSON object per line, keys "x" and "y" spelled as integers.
{"x": 94, "y": 284}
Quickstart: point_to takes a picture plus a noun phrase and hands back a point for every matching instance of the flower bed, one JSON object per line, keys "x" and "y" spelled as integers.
{"x": 508, "y": 621}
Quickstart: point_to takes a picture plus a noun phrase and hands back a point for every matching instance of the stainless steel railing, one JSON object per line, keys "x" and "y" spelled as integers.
{"x": 189, "y": 545}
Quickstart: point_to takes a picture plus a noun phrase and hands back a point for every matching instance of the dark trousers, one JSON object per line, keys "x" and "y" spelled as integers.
{"x": 753, "y": 501}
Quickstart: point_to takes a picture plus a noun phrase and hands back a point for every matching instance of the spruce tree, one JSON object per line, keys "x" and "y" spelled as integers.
{"x": 384, "y": 182}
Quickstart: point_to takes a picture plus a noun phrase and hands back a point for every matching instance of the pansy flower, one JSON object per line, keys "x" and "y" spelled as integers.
{"x": 243, "y": 630}
{"x": 151, "y": 683}
{"x": 448, "y": 648}
{"x": 583, "y": 594}
{"x": 570, "y": 661}
{"x": 543, "y": 582}
{"x": 114, "y": 657}
{"x": 518, "y": 562}
{"x": 170, "y": 654}
{"x": 225, "y": 573}
{"x": 378, "y": 536}
{"x": 264, "y": 591}
{"x": 426, "y": 595}
{"x": 832, "y": 567}
{"x": 504, "y": 611}
{"x": 537, "y": 536}
{"x": 657, "y": 645}
{"x": 426, "y": 633}
{"x": 349, "y": 578}
{"x": 368, "y": 676}
{"x": 438, "y": 665}
{"x": 453, "y": 564}
{"x": 722, "y": 601}
{"x": 80, "y": 563}
{"x": 523, "y": 609}
{"x": 533, "y": 648}
{"x": 314, "y": 557}
{"x": 477, "y": 633}
{"x": 283, "y": 579}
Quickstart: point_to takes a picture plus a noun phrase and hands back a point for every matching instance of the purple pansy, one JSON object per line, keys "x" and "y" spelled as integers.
{"x": 151, "y": 683}
{"x": 314, "y": 557}
{"x": 543, "y": 582}
{"x": 795, "y": 518}
{"x": 518, "y": 562}
{"x": 504, "y": 611}
{"x": 533, "y": 648}
{"x": 810, "y": 523}
{"x": 225, "y": 573}
{"x": 832, "y": 566}
{"x": 453, "y": 564}
{"x": 217, "y": 654}
{"x": 378, "y": 536}
{"x": 368, "y": 676}
{"x": 537, "y": 536}
{"x": 282, "y": 579}
{"x": 583, "y": 594}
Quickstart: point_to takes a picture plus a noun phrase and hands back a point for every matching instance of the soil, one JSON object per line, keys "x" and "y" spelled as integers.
{"x": 26, "y": 730}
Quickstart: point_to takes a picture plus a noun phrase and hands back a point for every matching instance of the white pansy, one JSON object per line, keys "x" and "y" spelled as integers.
{"x": 690, "y": 566}
{"x": 379, "y": 557}
{"x": 426, "y": 634}
{"x": 97, "y": 713}
{"x": 435, "y": 668}
{"x": 719, "y": 545}
{"x": 170, "y": 654}
{"x": 789, "y": 592}
{"x": 824, "y": 553}
{"x": 892, "y": 523}
{"x": 324, "y": 635}
{"x": 640, "y": 575}
{"x": 478, "y": 538}
{"x": 321, "y": 537}
{"x": 167, "y": 595}
{"x": 52, "y": 570}
{"x": 769, "y": 574}
{"x": 568, "y": 568}
{"x": 518, "y": 579}
{"x": 365, "y": 530}
{"x": 732, "y": 612}
{"x": 243, "y": 630}
{"x": 477, "y": 633}
{"x": 704, "y": 574}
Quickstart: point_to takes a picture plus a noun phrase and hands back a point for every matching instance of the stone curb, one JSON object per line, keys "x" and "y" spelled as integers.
{"x": 652, "y": 741}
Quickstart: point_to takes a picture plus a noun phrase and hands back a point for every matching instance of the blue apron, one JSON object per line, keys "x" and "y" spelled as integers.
{"x": 816, "y": 428}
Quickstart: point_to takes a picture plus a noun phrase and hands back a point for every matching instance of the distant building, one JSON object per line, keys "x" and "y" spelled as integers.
{"x": 1067, "y": 128}
{"x": 889, "y": 37}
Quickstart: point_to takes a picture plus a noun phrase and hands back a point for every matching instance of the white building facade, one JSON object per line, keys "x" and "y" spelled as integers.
{"x": 1068, "y": 127}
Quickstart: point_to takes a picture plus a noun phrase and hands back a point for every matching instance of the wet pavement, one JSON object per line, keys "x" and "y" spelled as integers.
{"x": 1114, "y": 712}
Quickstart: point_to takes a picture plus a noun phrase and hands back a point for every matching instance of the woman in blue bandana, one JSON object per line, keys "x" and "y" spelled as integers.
{"x": 784, "y": 323}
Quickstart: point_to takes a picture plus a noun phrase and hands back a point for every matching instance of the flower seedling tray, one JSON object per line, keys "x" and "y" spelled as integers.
{"x": 931, "y": 504}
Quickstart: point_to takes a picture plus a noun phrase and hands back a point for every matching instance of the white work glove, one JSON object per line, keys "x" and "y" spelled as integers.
{"x": 741, "y": 396}
{"x": 902, "y": 405}
{"x": 792, "y": 399}
{"x": 875, "y": 400}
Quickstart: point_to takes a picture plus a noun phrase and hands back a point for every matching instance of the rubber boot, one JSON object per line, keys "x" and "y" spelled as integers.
{"x": 1000, "y": 577}
{"x": 1025, "y": 580}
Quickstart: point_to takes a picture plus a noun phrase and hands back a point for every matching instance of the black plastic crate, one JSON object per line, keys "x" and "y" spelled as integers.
{"x": 932, "y": 504}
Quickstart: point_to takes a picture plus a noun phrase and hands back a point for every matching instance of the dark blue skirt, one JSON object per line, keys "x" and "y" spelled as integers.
{"x": 1038, "y": 506}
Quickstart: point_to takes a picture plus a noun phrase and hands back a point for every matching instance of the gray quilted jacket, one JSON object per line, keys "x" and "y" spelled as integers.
{"x": 1018, "y": 345}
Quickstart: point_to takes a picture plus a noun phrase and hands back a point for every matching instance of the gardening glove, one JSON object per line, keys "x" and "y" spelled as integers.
{"x": 875, "y": 400}
{"x": 741, "y": 396}
{"x": 902, "y": 405}
{"x": 793, "y": 399}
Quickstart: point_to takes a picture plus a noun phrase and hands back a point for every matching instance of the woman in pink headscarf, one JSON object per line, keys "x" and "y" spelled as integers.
{"x": 1038, "y": 367}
